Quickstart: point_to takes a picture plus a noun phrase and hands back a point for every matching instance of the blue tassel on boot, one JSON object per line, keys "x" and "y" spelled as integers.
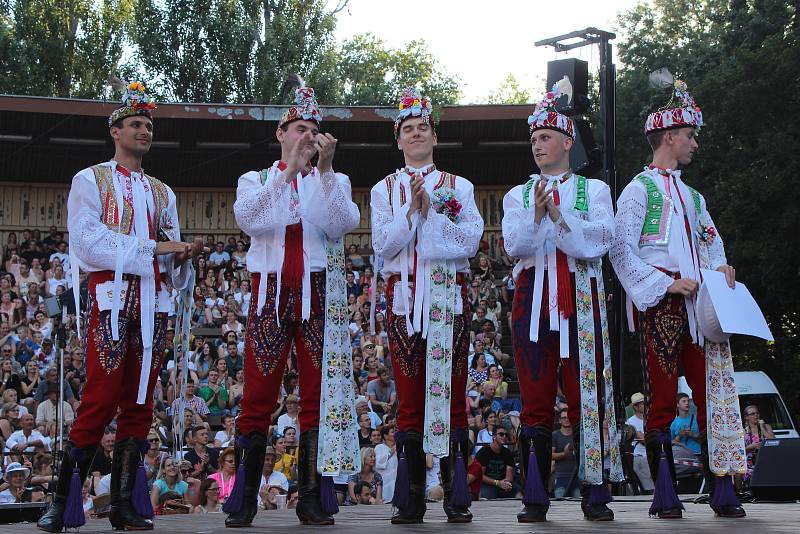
{"x": 402, "y": 484}
{"x": 534, "y": 492}
{"x": 233, "y": 504}
{"x": 664, "y": 496}
{"x": 460, "y": 495}
{"x": 724, "y": 495}
{"x": 599, "y": 495}
{"x": 140, "y": 499}
{"x": 328, "y": 496}
{"x": 74, "y": 516}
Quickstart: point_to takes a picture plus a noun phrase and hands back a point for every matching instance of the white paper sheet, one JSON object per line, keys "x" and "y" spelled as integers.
{"x": 737, "y": 311}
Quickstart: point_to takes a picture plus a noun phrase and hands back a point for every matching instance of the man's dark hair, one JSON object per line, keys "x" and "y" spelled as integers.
{"x": 359, "y": 487}
{"x": 197, "y": 429}
{"x": 655, "y": 139}
{"x": 682, "y": 395}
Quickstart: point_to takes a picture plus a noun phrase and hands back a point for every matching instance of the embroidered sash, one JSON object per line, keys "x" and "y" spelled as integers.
{"x": 338, "y": 450}
{"x": 724, "y": 419}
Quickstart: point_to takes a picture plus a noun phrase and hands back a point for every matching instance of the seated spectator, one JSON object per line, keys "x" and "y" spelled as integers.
{"x": 286, "y": 461}
{"x": 204, "y": 459}
{"x": 355, "y": 258}
{"x": 47, "y": 412}
{"x": 153, "y": 457}
{"x": 190, "y": 400}
{"x": 214, "y": 394}
{"x": 213, "y": 307}
{"x": 353, "y": 288}
{"x": 382, "y": 393}
{"x": 474, "y": 478}
{"x": 484, "y": 270}
{"x": 240, "y": 254}
{"x": 169, "y": 484}
{"x": 27, "y": 438}
{"x": 290, "y": 437}
{"x": 433, "y": 482}
{"x": 565, "y": 464}
{"x": 51, "y": 380}
{"x": 756, "y": 430}
{"x": 478, "y": 317}
{"x": 486, "y": 435}
{"x": 684, "y": 429}
{"x": 233, "y": 324}
{"x": 386, "y": 462}
{"x": 42, "y": 472}
{"x": 478, "y": 370}
{"x": 362, "y": 406}
{"x": 234, "y": 360}
{"x": 364, "y": 430}
{"x": 219, "y": 256}
{"x": 640, "y": 465}
{"x": 209, "y": 498}
{"x": 9, "y": 419}
{"x": 235, "y": 392}
{"x": 9, "y": 379}
{"x": 226, "y": 476}
{"x": 498, "y": 468}
{"x": 243, "y": 297}
{"x": 15, "y": 476}
{"x": 368, "y": 476}
{"x": 203, "y": 362}
{"x": 290, "y": 418}
{"x": 225, "y": 437}
{"x": 272, "y": 482}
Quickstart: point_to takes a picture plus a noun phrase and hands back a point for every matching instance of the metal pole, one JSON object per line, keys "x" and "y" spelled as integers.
{"x": 60, "y": 394}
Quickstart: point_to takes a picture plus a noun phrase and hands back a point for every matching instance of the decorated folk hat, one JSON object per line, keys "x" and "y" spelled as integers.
{"x": 135, "y": 101}
{"x": 305, "y": 107}
{"x": 413, "y": 104}
{"x": 681, "y": 110}
{"x": 545, "y": 115}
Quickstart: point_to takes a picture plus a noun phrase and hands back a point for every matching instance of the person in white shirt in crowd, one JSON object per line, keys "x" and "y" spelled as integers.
{"x": 386, "y": 462}
{"x": 270, "y": 478}
{"x": 27, "y": 438}
{"x": 640, "y": 465}
{"x": 220, "y": 256}
{"x": 290, "y": 418}
{"x": 15, "y": 476}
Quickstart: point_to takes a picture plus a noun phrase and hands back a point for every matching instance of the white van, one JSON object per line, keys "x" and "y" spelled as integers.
{"x": 755, "y": 387}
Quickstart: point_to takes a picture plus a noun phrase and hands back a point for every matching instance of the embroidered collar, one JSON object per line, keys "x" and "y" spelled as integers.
{"x": 125, "y": 171}
{"x": 560, "y": 177}
{"x": 664, "y": 172}
{"x": 424, "y": 171}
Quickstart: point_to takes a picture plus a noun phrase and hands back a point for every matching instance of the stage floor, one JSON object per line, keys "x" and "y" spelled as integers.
{"x": 490, "y": 517}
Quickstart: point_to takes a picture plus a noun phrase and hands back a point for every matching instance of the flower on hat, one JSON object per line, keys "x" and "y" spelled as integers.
{"x": 413, "y": 104}
{"x": 680, "y": 112}
{"x": 135, "y": 101}
{"x": 305, "y": 107}
{"x": 545, "y": 114}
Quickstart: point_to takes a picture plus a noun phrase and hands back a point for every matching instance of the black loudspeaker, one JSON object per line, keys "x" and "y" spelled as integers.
{"x": 585, "y": 157}
{"x": 29, "y": 512}
{"x": 776, "y": 475}
{"x": 577, "y": 72}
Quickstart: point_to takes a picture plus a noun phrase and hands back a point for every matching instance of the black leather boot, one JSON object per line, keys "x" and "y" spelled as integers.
{"x": 309, "y": 502}
{"x": 729, "y": 508}
{"x": 414, "y": 512}
{"x": 654, "y": 444}
{"x": 594, "y": 499}
{"x": 53, "y": 519}
{"x": 540, "y": 439}
{"x": 459, "y": 444}
{"x": 124, "y": 463}
{"x": 250, "y": 449}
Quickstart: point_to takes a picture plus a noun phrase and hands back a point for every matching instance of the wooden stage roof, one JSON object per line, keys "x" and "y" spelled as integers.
{"x": 47, "y": 140}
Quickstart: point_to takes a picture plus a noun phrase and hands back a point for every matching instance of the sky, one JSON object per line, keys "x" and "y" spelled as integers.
{"x": 481, "y": 42}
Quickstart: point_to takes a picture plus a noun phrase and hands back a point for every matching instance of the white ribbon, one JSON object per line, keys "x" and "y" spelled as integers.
{"x": 147, "y": 288}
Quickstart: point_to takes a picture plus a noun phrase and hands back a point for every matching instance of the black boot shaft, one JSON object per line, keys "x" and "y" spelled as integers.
{"x": 309, "y": 496}
{"x": 253, "y": 457}
{"x": 125, "y": 462}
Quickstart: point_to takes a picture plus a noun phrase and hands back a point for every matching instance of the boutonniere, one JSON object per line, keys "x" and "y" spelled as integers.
{"x": 445, "y": 202}
{"x": 706, "y": 233}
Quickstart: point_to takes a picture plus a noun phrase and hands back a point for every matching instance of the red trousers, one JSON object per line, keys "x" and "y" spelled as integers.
{"x": 113, "y": 367}
{"x": 267, "y": 346}
{"x": 538, "y": 363}
{"x": 666, "y": 344}
{"x": 408, "y": 361}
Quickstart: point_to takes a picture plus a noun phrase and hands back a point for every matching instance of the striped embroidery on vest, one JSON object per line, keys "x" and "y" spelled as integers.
{"x": 112, "y": 217}
{"x": 581, "y": 198}
{"x": 657, "y": 222}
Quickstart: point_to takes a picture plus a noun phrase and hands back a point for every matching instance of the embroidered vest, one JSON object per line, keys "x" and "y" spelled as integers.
{"x": 657, "y": 222}
{"x": 581, "y": 199}
{"x": 444, "y": 178}
{"x": 121, "y": 220}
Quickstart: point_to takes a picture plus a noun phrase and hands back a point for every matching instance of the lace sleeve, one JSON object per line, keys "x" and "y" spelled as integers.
{"x": 390, "y": 232}
{"x": 443, "y": 239}
{"x": 261, "y": 209}
{"x": 645, "y": 284}
{"x": 166, "y": 263}
{"x": 716, "y": 248}
{"x": 590, "y": 238}
{"x": 94, "y": 244}
{"x": 522, "y": 237}
{"x": 330, "y": 205}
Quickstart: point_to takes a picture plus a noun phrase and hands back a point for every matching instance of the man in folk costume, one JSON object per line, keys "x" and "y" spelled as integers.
{"x": 426, "y": 226}
{"x": 123, "y": 229}
{"x": 296, "y": 215}
{"x": 560, "y": 225}
{"x": 664, "y": 237}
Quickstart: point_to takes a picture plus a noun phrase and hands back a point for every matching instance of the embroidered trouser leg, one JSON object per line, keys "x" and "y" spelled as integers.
{"x": 112, "y": 370}
{"x": 538, "y": 363}
{"x": 666, "y": 344}
{"x": 408, "y": 359}
{"x": 267, "y": 345}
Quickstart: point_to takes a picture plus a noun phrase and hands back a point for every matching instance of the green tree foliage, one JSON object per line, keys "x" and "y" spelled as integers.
{"x": 741, "y": 60}
{"x": 369, "y": 73}
{"x": 60, "y": 48}
{"x": 510, "y": 92}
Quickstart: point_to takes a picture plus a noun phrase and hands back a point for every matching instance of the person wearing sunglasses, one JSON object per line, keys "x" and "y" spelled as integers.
{"x": 497, "y": 463}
